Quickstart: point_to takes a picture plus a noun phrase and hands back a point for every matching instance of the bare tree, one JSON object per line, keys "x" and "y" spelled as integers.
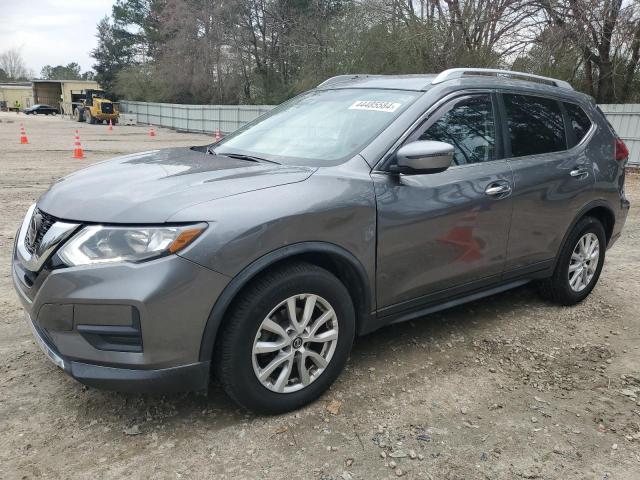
{"x": 606, "y": 33}
{"x": 12, "y": 63}
{"x": 265, "y": 51}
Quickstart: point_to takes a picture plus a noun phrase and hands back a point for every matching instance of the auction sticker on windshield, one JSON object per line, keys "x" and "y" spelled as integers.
{"x": 375, "y": 105}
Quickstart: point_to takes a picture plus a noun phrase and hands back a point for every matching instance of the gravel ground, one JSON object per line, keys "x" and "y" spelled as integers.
{"x": 503, "y": 388}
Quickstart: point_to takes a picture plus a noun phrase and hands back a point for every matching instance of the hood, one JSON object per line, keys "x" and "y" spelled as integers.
{"x": 152, "y": 186}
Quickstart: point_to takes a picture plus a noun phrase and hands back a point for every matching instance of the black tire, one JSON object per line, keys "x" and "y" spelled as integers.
{"x": 90, "y": 118}
{"x": 77, "y": 115}
{"x": 557, "y": 288}
{"x": 233, "y": 353}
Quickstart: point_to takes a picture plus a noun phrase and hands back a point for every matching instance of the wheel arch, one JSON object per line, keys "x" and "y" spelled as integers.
{"x": 339, "y": 261}
{"x": 599, "y": 209}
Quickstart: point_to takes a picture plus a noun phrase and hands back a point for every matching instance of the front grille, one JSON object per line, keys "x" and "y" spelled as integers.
{"x": 38, "y": 226}
{"x": 107, "y": 107}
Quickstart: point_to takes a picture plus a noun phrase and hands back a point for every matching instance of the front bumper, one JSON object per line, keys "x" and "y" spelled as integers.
{"x": 106, "y": 116}
{"x": 128, "y": 327}
{"x": 191, "y": 377}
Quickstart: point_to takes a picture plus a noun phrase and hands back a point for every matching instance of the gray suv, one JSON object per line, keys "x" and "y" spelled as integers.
{"x": 367, "y": 201}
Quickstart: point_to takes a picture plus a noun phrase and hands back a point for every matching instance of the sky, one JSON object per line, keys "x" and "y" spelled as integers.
{"x": 52, "y": 32}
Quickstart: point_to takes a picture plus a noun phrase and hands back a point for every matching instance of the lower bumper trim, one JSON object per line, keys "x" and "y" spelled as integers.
{"x": 193, "y": 377}
{"x": 48, "y": 351}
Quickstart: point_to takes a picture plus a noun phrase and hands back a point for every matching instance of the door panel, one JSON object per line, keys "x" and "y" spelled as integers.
{"x": 546, "y": 197}
{"x": 549, "y": 187}
{"x": 440, "y": 230}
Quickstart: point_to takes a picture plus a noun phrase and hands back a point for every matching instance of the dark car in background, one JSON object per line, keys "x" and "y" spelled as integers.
{"x": 41, "y": 109}
{"x": 367, "y": 201}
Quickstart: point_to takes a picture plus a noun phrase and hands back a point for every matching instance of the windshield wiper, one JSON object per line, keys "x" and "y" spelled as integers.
{"x": 239, "y": 156}
{"x": 250, "y": 158}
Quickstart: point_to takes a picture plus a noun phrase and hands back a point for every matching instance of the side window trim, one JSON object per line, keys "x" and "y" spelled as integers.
{"x": 575, "y": 146}
{"x": 445, "y": 107}
{"x": 382, "y": 165}
{"x": 569, "y": 132}
{"x": 594, "y": 123}
{"x": 499, "y": 120}
{"x": 507, "y": 133}
{"x": 504, "y": 126}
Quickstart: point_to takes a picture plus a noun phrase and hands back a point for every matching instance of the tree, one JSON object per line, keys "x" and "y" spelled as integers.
{"x": 125, "y": 40}
{"x": 61, "y": 72}
{"x": 606, "y": 36}
{"x": 113, "y": 53}
{"x": 140, "y": 83}
{"x": 265, "y": 51}
{"x": 12, "y": 63}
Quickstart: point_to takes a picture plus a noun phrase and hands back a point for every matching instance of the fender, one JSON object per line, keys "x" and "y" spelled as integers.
{"x": 241, "y": 279}
{"x": 589, "y": 206}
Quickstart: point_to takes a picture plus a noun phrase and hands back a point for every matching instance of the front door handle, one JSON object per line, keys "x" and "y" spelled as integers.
{"x": 579, "y": 172}
{"x": 498, "y": 189}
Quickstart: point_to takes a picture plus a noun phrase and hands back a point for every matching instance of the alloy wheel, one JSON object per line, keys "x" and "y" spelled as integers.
{"x": 295, "y": 343}
{"x": 584, "y": 262}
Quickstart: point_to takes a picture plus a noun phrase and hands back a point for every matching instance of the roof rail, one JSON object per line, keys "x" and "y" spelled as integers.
{"x": 340, "y": 78}
{"x": 452, "y": 73}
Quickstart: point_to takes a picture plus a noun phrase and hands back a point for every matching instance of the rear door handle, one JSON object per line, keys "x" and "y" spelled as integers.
{"x": 580, "y": 172}
{"x": 498, "y": 189}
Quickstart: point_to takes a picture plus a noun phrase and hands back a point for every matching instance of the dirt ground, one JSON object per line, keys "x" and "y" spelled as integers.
{"x": 503, "y": 388}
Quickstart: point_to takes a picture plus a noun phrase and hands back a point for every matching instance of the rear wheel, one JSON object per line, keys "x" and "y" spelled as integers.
{"x": 287, "y": 339}
{"x": 90, "y": 118}
{"x": 579, "y": 265}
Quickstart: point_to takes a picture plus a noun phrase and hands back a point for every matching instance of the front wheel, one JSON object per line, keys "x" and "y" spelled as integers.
{"x": 77, "y": 115}
{"x": 579, "y": 264}
{"x": 286, "y": 340}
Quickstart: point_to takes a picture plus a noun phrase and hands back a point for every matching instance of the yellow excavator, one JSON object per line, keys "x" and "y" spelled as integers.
{"x": 94, "y": 107}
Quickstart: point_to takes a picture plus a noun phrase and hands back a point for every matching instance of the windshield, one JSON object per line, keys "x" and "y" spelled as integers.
{"x": 318, "y": 128}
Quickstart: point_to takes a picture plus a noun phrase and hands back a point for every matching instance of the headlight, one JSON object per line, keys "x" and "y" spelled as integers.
{"x": 100, "y": 244}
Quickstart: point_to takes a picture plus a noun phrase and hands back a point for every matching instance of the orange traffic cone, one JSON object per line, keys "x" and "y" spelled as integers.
{"x": 77, "y": 148}
{"x": 218, "y": 137}
{"x": 23, "y": 135}
{"x": 152, "y": 132}
{"x": 110, "y": 126}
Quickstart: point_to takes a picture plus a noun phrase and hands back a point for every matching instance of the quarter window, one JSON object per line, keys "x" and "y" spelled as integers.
{"x": 535, "y": 125}
{"x": 469, "y": 126}
{"x": 580, "y": 122}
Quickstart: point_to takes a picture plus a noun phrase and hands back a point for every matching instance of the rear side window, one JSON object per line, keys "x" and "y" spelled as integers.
{"x": 580, "y": 122}
{"x": 535, "y": 125}
{"x": 468, "y": 125}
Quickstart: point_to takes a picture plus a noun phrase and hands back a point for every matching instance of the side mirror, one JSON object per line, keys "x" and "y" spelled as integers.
{"x": 424, "y": 156}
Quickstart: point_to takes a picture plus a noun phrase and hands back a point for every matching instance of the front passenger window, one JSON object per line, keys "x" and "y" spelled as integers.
{"x": 469, "y": 126}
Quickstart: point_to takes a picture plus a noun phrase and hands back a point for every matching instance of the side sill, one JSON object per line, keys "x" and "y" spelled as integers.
{"x": 436, "y": 306}
{"x": 458, "y": 301}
